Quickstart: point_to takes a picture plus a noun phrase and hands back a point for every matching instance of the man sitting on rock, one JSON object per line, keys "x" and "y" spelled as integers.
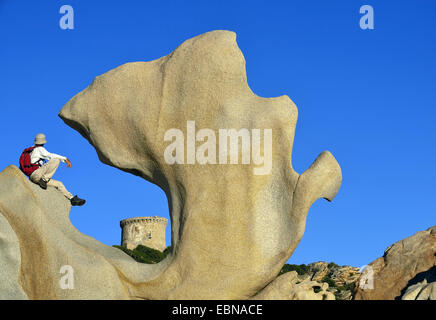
{"x": 42, "y": 175}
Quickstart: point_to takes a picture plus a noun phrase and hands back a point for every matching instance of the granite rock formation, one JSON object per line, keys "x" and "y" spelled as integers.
{"x": 227, "y": 219}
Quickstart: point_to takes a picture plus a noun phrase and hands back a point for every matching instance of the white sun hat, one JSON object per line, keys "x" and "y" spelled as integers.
{"x": 40, "y": 139}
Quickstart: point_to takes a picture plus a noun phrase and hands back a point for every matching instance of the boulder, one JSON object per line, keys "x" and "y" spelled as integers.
{"x": 402, "y": 265}
{"x": 238, "y": 210}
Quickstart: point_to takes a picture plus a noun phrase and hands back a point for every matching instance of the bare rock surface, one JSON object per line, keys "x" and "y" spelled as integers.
{"x": 10, "y": 262}
{"x": 42, "y": 240}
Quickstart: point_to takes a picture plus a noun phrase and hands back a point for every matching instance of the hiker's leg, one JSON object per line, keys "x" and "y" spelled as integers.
{"x": 46, "y": 171}
{"x": 60, "y": 186}
{"x": 49, "y": 169}
{"x": 36, "y": 175}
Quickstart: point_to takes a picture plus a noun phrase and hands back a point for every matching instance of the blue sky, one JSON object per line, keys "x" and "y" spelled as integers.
{"x": 368, "y": 96}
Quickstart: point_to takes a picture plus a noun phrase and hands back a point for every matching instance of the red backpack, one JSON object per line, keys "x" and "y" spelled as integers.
{"x": 25, "y": 165}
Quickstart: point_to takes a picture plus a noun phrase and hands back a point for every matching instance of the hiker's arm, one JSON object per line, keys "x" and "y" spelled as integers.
{"x": 48, "y": 155}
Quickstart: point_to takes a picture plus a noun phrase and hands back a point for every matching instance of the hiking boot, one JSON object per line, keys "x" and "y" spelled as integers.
{"x": 76, "y": 201}
{"x": 42, "y": 184}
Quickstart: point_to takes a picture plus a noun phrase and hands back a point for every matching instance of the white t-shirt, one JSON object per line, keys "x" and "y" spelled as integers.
{"x": 40, "y": 153}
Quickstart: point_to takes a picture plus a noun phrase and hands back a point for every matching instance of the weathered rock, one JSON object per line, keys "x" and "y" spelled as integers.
{"x": 224, "y": 217}
{"x": 47, "y": 241}
{"x": 233, "y": 225}
{"x": 402, "y": 261}
{"x": 420, "y": 291}
{"x": 289, "y": 286}
{"x": 413, "y": 291}
{"x": 428, "y": 292}
{"x": 10, "y": 262}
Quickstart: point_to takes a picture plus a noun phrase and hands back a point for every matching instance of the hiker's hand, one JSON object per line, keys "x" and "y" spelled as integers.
{"x": 68, "y": 163}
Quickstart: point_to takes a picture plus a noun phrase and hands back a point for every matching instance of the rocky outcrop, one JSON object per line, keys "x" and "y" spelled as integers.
{"x": 291, "y": 286}
{"x": 319, "y": 270}
{"x": 234, "y": 222}
{"x": 403, "y": 264}
{"x": 340, "y": 280}
{"x": 340, "y": 275}
{"x": 38, "y": 241}
{"x": 345, "y": 275}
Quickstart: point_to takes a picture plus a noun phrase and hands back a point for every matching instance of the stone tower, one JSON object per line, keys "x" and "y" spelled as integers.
{"x": 148, "y": 231}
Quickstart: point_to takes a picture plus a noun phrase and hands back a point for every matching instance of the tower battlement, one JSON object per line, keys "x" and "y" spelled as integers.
{"x": 148, "y": 231}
